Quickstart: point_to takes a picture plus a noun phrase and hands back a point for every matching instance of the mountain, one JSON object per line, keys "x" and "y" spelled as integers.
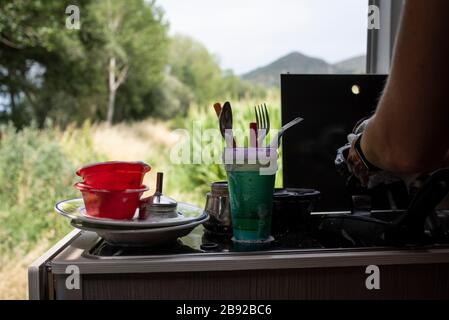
{"x": 351, "y": 65}
{"x": 296, "y": 62}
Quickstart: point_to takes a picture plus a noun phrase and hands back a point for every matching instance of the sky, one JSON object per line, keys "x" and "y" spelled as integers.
{"x": 246, "y": 34}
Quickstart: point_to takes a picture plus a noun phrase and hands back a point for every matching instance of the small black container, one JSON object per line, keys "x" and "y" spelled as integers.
{"x": 291, "y": 210}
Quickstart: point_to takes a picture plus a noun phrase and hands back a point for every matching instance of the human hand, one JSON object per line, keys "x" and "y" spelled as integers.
{"x": 357, "y": 165}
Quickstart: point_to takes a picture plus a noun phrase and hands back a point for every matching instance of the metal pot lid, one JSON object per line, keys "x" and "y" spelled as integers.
{"x": 161, "y": 201}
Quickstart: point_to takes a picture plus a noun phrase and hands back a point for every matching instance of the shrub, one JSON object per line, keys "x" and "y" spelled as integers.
{"x": 36, "y": 170}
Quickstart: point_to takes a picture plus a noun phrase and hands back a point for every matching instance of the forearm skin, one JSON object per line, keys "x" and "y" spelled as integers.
{"x": 409, "y": 132}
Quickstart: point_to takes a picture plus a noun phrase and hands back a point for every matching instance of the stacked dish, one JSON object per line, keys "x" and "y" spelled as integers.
{"x": 150, "y": 231}
{"x": 112, "y": 207}
{"x": 112, "y": 189}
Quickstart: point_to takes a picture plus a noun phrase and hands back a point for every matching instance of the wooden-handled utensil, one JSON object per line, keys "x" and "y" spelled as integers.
{"x": 253, "y": 135}
{"x": 225, "y": 122}
{"x": 217, "y": 108}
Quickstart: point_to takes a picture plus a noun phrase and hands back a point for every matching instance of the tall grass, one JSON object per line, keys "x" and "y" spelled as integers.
{"x": 193, "y": 180}
{"x": 36, "y": 169}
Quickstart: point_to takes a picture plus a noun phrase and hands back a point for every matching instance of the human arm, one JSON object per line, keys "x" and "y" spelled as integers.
{"x": 409, "y": 133}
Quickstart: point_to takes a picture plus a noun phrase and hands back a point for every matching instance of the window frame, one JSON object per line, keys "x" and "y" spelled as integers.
{"x": 380, "y": 42}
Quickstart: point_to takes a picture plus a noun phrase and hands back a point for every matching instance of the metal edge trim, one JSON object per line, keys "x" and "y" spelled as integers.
{"x": 34, "y": 281}
{"x": 254, "y": 262}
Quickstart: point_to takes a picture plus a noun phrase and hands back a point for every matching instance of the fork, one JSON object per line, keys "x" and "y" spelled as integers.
{"x": 263, "y": 123}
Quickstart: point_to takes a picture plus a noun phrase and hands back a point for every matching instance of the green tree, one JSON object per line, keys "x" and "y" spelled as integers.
{"x": 31, "y": 41}
{"x": 199, "y": 70}
{"x": 48, "y": 71}
{"x": 131, "y": 49}
{"x": 194, "y": 66}
{"x": 175, "y": 97}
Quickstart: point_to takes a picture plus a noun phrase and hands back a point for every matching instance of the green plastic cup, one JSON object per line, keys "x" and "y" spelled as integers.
{"x": 251, "y": 186}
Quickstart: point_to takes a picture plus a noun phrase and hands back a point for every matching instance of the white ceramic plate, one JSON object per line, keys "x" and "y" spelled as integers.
{"x": 74, "y": 209}
{"x": 142, "y": 237}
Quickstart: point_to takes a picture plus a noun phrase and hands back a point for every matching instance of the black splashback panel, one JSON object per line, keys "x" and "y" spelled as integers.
{"x": 330, "y": 105}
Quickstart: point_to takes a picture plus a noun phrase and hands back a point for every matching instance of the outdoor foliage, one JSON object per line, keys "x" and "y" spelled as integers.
{"x": 194, "y": 66}
{"x": 36, "y": 169}
{"x": 121, "y": 64}
{"x": 48, "y": 71}
{"x": 199, "y": 176}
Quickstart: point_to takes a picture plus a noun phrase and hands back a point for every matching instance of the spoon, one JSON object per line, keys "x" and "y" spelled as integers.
{"x": 225, "y": 122}
{"x": 280, "y": 133}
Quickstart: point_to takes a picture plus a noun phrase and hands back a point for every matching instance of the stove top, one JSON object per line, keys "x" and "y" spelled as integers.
{"x": 199, "y": 241}
{"x": 325, "y": 233}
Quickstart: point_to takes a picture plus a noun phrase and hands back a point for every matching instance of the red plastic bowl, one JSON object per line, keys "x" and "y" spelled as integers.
{"x": 118, "y": 205}
{"x": 114, "y": 175}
